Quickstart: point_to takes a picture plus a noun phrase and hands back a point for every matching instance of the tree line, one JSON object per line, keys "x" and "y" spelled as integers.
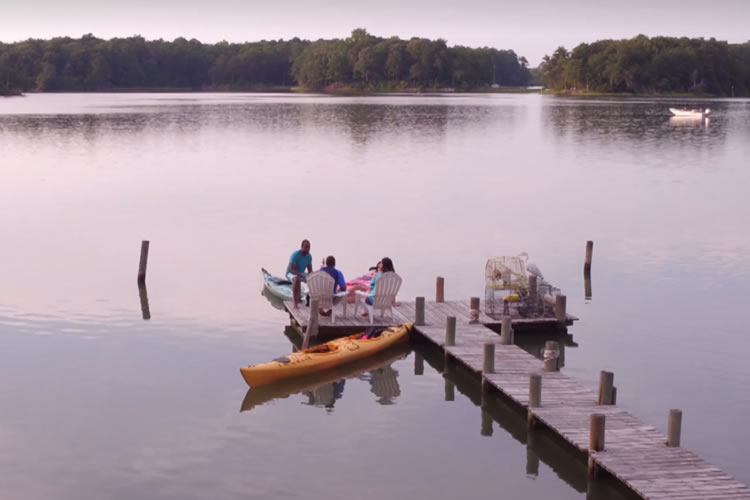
{"x": 651, "y": 65}
{"x": 361, "y": 61}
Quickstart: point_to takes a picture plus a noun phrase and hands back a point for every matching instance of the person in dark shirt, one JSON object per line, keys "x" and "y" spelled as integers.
{"x": 339, "y": 283}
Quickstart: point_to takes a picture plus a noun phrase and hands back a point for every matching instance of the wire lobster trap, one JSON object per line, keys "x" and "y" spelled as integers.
{"x": 504, "y": 278}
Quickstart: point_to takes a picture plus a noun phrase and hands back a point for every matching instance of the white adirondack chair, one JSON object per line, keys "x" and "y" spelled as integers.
{"x": 385, "y": 293}
{"x": 320, "y": 286}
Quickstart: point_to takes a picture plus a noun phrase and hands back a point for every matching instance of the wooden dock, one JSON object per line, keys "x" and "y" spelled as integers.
{"x": 435, "y": 313}
{"x": 634, "y": 453}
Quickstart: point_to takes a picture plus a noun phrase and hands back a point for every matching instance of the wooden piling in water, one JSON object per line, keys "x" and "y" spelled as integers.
{"x": 488, "y": 362}
{"x": 450, "y": 331}
{"x": 506, "y": 331}
{"x": 674, "y": 428}
{"x": 589, "y": 255}
{"x": 486, "y": 429}
{"x": 560, "y": 313}
{"x": 440, "y": 290}
{"x": 419, "y": 311}
{"x": 474, "y": 310}
{"x": 143, "y": 263}
{"x": 551, "y": 356}
{"x": 535, "y": 396}
{"x": 450, "y": 390}
{"x": 614, "y": 395}
{"x": 606, "y": 381}
{"x": 143, "y": 296}
{"x": 596, "y": 440}
{"x": 418, "y": 364}
{"x": 312, "y": 323}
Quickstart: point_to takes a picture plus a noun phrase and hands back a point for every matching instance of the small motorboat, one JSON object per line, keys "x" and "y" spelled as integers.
{"x": 689, "y": 113}
{"x": 280, "y": 288}
{"x": 325, "y": 356}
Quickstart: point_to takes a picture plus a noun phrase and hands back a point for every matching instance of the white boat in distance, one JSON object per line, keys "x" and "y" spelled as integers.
{"x": 690, "y": 113}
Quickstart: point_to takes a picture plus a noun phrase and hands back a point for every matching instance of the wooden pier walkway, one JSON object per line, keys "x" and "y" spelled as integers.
{"x": 633, "y": 452}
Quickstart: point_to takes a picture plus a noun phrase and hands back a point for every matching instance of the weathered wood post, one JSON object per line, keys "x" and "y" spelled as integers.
{"x": 587, "y": 287}
{"x": 440, "y": 289}
{"x": 606, "y": 381}
{"x": 506, "y": 331}
{"x": 419, "y": 311}
{"x": 674, "y": 428}
{"x": 589, "y": 254}
{"x": 560, "y": 314}
{"x": 143, "y": 262}
{"x": 312, "y": 323}
{"x": 596, "y": 440}
{"x": 450, "y": 390}
{"x": 551, "y": 356}
{"x": 614, "y": 395}
{"x": 474, "y": 310}
{"x": 488, "y": 362}
{"x": 143, "y": 295}
{"x": 418, "y": 364}
{"x": 450, "y": 331}
{"x": 535, "y": 396}
{"x": 486, "y": 429}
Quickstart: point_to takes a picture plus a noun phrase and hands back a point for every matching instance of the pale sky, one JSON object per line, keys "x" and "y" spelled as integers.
{"x": 531, "y": 28}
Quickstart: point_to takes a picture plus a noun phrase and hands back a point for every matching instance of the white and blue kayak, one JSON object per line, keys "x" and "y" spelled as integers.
{"x": 281, "y": 288}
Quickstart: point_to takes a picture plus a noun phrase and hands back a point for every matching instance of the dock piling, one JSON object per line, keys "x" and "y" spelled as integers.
{"x": 560, "y": 313}
{"x": 143, "y": 296}
{"x": 440, "y": 290}
{"x": 589, "y": 255}
{"x": 596, "y": 440}
{"x": 419, "y": 311}
{"x": 488, "y": 362}
{"x": 450, "y": 331}
{"x": 143, "y": 261}
{"x": 506, "y": 331}
{"x": 418, "y": 364}
{"x": 674, "y": 428}
{"x": 606, "y": 380}
{"x": 474, "y": 310}
{"x": 450, "y": 390}
{"x": 551, "y": 356}
{"x": 312, "y": 323}
{"x": 486, "y": 429}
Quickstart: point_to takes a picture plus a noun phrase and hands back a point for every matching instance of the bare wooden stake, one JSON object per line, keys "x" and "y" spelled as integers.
{"x": 474, "y": 310}
{"x": 614, "y": 395}
{"x": 596, "y": 440}
{"x": 560, "y": 305}
{"x": 143, "y": 261}
{"x": 450, "y": 390}
{"x": 418, "y": 364}
{"x": 606, "y": 383}
{"x": 450, "y": 331}
{"x": 589, "y": 254}
{"x": 488, "y": 362}
{"x": 587, "y": 287}
{"x": 551, "y": 356}
{"x": 506, "y": 331}
{"x": 419, "y": 311}
{"x": 312, "y": 323}
{"x": 440, "y": 289}
{"x": 674, "y": 428}
{"x": 535, "y": 396}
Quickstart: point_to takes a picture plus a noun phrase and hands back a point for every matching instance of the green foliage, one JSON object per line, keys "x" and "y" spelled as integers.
{"x": 360, "y": 61}
{"x": 650, "y": 65}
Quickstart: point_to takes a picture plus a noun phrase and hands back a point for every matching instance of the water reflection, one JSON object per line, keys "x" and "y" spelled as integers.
{"x": 542, "y": 446}
{"x": 325, "y": 388}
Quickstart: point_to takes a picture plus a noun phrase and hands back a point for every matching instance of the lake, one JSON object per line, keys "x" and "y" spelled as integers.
{"x": 96, "y": 402}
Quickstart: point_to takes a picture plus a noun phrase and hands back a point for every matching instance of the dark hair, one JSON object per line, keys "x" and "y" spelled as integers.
{"x": 387, "y": 265}
{"x": 303, "y": 243}
{"x": 375, "y": 267}
{"x": 331, "y": 261}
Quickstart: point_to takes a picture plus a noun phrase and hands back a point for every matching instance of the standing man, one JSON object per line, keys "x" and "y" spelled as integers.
{"x": 300, "y": 264}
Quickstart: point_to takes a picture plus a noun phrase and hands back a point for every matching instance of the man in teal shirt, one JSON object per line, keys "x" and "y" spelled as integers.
{"x": 300, "y": 264}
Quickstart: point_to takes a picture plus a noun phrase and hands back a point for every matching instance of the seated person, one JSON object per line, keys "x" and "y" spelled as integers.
{"x": 363, "y": 282}
{"x": 300, "y": 264}
{"x": 386, "y": 267}
{"x": 339, "y": 283}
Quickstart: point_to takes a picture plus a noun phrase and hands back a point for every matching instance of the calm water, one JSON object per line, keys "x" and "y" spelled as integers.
{"x": 95, "y": 402}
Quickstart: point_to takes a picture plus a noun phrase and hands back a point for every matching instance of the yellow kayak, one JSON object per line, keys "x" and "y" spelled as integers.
{"x": 324, "y": 356}
{"x": 284, "y": 388}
